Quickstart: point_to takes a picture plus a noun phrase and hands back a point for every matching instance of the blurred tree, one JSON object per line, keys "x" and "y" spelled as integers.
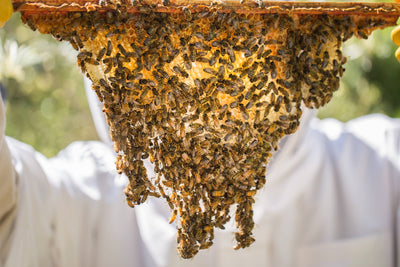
{"x": 47, "y": 106}
{"x": 371, "y": 82}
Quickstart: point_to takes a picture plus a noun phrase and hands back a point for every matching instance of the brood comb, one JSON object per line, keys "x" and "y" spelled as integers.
{"x": 205, "y": 91}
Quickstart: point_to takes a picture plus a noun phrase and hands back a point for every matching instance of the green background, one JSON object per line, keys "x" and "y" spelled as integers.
{"x": 47, "y": 106}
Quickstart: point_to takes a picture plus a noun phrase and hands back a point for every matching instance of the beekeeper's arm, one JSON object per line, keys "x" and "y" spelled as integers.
{"x": 27, "y": 202}
{"x": 8, "y": 195}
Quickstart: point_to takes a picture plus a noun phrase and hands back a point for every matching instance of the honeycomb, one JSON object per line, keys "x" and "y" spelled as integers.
{"x": 205, "y": 96}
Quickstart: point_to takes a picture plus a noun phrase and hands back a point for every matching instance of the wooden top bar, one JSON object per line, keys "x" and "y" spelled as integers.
{"x": 248, "y": 6}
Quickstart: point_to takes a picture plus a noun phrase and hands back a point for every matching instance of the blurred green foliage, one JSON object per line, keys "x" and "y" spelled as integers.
{"x": 47, "y": 105}
{"x": 371, "y": 82}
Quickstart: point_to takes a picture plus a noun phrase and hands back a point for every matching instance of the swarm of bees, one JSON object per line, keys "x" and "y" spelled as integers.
{"x": 205, "y": 96}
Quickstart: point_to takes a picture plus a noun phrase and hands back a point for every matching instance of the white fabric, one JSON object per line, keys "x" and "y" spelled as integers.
{"x": 331, "y": 199}
{"x": 8, "y": 191}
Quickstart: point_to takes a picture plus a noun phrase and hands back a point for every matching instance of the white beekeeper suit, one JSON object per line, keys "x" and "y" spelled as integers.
{"x": 332, "y": 199}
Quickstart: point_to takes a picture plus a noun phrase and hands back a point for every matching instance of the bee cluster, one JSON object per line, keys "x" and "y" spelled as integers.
{"x": 206, "y": 97}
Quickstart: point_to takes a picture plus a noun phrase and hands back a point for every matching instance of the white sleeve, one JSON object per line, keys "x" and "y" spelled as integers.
{"x": 8, "y": 192}
{"x": 49, "y": 208}
{"x": 59, "y": 202}
{"x": 382, "y": 134}
{"x": 26, "y": 203}
{"x": 378, "y": 131}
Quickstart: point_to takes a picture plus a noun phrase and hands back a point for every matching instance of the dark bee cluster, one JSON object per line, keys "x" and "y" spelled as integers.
{"x": 205, "y": 97}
